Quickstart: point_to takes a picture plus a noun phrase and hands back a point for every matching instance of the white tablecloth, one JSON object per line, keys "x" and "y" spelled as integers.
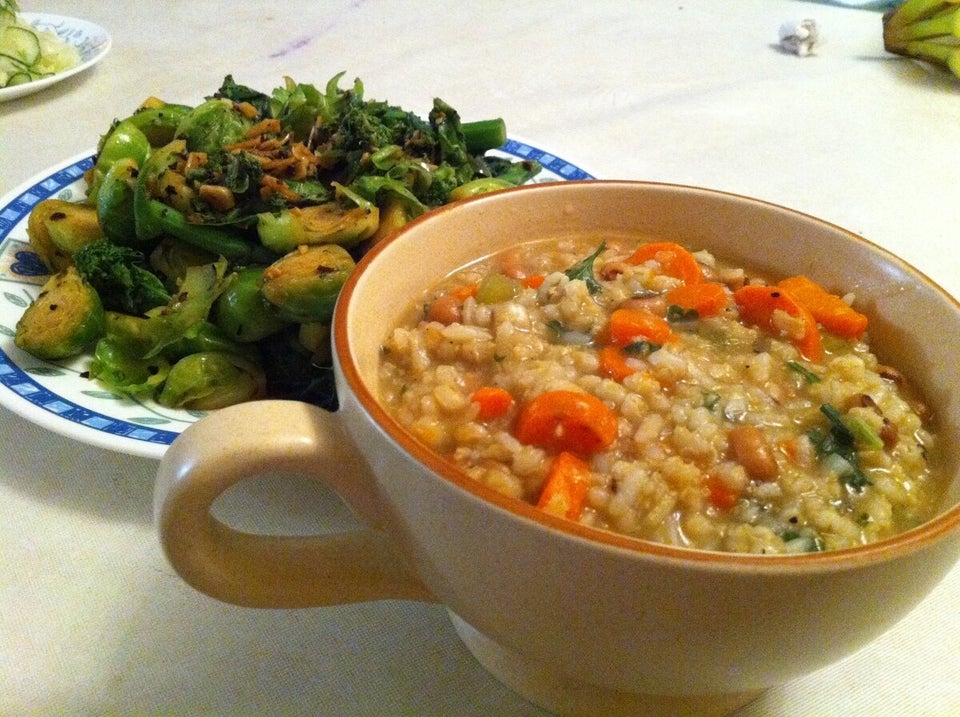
{"x": 92, "y": 619}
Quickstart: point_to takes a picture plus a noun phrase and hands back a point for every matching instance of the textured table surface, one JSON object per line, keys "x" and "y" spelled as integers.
{"x": 92, "y": 618}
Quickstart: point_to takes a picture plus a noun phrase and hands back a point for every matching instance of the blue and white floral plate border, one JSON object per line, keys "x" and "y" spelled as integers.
{"x": 56, "y": 395}
{"x": 90, "y": 39}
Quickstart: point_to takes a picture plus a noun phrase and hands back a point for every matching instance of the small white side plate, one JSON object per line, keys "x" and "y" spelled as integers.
{"x": 91, "y": 40}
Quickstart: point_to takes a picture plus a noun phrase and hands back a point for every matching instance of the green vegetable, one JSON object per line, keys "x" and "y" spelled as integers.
{"x": 304, "y": 285}
{"x": 119, "y": 369}
{"x": 808, "y": 375}
{"x": 206, "y": 336}
{"x": 863, "y": 433}
{"x": 584, "y": 270}
{"x": 65, "y": 319}
{"x": 211, "y": 239}
{"x": 478, "y": 186}
{"x": 158, "y": 121}
{"x": 926, "y": 30}
{"x": 119, "y": 277}
{"x": 149, "y": 186}
{"x": 483, "y": 135}
{"x": 115, "y": 202}
{"x": 329, "y": 223}
{"x": 209, "y": 380}
{"x": 57, "y": 229}
{"x": 301, "y": 179}
{"x": 840, "y": 441}
{"x": 495, "y": 288}
{"x": 125, "y": 142}
{"x": 212, "y": 124}
{"x": 27, "y": 54}
{"x": 171, "y": 258}
{"x": 242, "y": 311}
{"x": 679, "y": 315}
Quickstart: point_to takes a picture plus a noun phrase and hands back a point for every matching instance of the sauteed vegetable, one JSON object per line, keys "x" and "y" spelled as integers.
{"x": 217, "y": 237}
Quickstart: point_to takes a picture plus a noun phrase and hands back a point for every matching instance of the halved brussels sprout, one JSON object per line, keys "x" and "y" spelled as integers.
{"x": 243, "y": 313}
{"x": 211, "y": 379}
{"x": 304, "y": 284}
{"x": 122, "y": 370}
{"x": 329, "y": 223}
{"x": 57, "y": 229}
{"x": 66, "y": 318}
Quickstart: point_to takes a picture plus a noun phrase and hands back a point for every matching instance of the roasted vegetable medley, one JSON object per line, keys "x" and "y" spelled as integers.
{"x": 203, "y": 265}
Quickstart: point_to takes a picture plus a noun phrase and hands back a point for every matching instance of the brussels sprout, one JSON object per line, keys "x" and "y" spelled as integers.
{"x": 130, "y": 332}
{"x": 156, "y": 165}
{"x": 158, "y": 120}
{"x": 212, "y": 124}
{"x": 315, "y": 338}
{"x": 171, "y": 257}
{"x": 305, "y": 283}
{"x": 329, "y": 223}
{"x": 478, "y": 186}
{"x": 58, "y": 228}
{"x": 394, "y": 213}
{"x": 211, "y": 379}
{"x": 66, "y": 318}
{"x": 242, "y": 311}
{"x": 121, "y": 369}
{"x": 124, "y": 142}
{"x": 115, "y": 202}
{"x": 189, "y": 306}
{"x": 205, "y": 336}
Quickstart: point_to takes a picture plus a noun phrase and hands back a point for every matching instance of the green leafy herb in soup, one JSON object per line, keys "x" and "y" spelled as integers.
{"x": 663, "y": 394}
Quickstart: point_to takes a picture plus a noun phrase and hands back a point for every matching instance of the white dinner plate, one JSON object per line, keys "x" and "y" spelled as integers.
{"x": 91, "y": 40}
{"x": 56, "y": 395}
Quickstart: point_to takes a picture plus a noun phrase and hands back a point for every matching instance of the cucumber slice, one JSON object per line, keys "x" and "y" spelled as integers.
{"x": 21, "y": 44}
{"x": 19, "y": 78}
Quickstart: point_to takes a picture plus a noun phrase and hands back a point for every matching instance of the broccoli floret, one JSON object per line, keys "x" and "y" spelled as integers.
{"x": 119, "y": 277}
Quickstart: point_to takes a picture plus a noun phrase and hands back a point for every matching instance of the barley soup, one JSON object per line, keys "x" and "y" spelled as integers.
{"x": 658, "y": 392}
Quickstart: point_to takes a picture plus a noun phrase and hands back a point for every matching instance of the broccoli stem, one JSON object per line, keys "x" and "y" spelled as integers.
{"x": 484, "y": 134}
{"x": 211, "y": 239}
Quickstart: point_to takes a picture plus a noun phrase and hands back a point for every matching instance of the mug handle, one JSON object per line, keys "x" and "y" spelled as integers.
{"x": 254, "y": 439}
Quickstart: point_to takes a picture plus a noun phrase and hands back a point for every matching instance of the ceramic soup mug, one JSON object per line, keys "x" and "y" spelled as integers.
{"x": 579, "y": 620}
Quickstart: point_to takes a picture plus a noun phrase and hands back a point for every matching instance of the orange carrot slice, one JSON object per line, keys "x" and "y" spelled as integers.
{"x": 758, "y": 305}
{"x": 707, "y": 298}
{"x": 674, "y": 260}
{"x": 830, "y": 311}
{"x": 465, "y": 292}
{"x": 613, "y": 363}
{"x": 493, "y": 402}
{"x": 567, "y": 421}
{"x": 627, "y": 326}
{"x": 565, "y": 490}
{"x": 720, "y": 495}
